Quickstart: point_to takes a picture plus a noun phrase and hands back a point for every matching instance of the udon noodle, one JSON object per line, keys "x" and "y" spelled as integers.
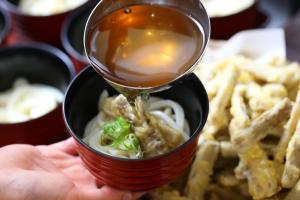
{"x": 153, "y": 127}
{"x": 27, "y": 101}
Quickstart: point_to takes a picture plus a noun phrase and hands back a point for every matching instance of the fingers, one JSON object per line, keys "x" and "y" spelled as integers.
{"x": 102, "y": 194}
{"x": 67, "y": 146}
{"x": 80, "y": 176}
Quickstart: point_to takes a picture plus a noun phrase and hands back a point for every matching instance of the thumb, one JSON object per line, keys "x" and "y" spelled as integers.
{"x": 103, "y": 193}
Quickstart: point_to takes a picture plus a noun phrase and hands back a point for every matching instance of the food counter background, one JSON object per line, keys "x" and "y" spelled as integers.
{"x": 279, "y": 14}
{"x": 285, "y": 14}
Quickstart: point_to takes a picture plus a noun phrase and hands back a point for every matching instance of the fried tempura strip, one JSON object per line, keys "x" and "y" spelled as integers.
{"x": 238, "y": 106}
{"x": 294, "y": 194}
{"x": 227, "y": 150}
{"x": 217, "y": 116}
{"x": 258, "y": 100}
{"x": 119, "y": 106}
{"x": 288, "y": 75}
{"x": 272, "y": 198}
{"x": 212, "y": 86}
{"x": 288, "y": 131}
{"x": 224, "y": 193}
{"x": 291, "y": 173}
{"x": 227, "y": 178}
{"x": 261, "y": 126}
{"x": 275, "y": 90}
{"x": 166, "y": 193}
{"x": 261, "y": 173}
{"x": 202, "y": 169}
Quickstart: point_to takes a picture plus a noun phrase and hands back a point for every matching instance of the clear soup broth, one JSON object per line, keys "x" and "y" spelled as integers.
{"x": 145, "y": 45}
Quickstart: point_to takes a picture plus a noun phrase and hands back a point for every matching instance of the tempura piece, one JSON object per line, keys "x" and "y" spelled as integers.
{"x": 294, "y": 194}
{"x": 224, "y": 193}
{"x": 261, "y": 126}
{"x": 260, "y": 172}
{"x": 172, "y": 136}
{"x": 227, "y": 150}
{"x": 263, "y": 180}
{"x": 240, "y": 171}
{"x": 275, "y": 90}
{"x": 238, "y": 106}
{"x": 273, "y": 198}
{"x": 288, "y": 75}
{"x": 291, "y": 172}
{"x": 269, "y": 144}
{"x": 242, "y": 188}
{"x": 155, "y": 135}
{"x": 217, "y": 116}
{"x": 167, "y": 193}
{"x": 273, "y": 60}
{"x": 202, "y": 169}
{"x": 245, "y": 78}
{"x": 213, "y": 86}
{"x": 259, "y": 101}
{"x": 153, "y": 141}
{"x": 227, "y": 178}
{"x": 289, "y": 130}
{"x": 119, "y": 106}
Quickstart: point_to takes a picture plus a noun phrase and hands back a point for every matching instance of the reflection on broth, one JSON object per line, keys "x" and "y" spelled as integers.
{"x": 145, "y": 45}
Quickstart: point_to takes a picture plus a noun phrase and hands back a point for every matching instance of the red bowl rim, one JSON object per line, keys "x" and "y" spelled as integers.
{"x": 14, "y": 9}
{"x": 236, "y": 14}
{"x": 194, "y": 136}
{"x": 49, "y": 50}
{"x": 64, "y": 34}
{"x": 7, "y": 24}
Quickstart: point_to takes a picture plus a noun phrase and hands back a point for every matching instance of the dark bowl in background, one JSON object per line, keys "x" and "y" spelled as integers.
{"x": 5, "y": 25}
{"x": 38, "y": 28}
{"x": 80, "y": 106}
{"x": 224, "y": 27}
{"x": 38, "y": 63}
{"x": 72, "y": 36}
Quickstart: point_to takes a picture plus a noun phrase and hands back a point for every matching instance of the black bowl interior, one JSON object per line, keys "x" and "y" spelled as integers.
{"x": 36, "y": 65}
{"x": 14, "y": 2}
{"x": 2, "y": 22}
{"x": 75, "y": 30}
{"x": 81, "y": 100}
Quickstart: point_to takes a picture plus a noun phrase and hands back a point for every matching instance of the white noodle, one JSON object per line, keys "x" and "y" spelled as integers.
{"x": 187, "y": 129}
{"x": 168, "y": 111}
{"x": 166, "y": 118}
{"x": 177, "y": 109}
{"x": 28, "y": 101}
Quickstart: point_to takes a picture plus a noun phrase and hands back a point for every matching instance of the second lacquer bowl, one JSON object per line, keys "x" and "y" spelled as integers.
{"x": 80, "y": 107}
{"x": 39, "y": 64}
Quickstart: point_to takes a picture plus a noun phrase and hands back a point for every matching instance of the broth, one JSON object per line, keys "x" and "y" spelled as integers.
{"x": 145, "y": 45}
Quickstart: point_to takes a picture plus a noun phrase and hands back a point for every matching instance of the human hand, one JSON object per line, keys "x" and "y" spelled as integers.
{"x": 53, "y": 172}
